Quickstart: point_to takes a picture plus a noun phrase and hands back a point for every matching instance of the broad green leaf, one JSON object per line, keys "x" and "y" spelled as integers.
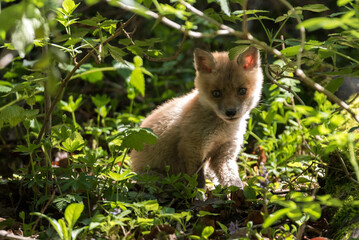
{"x": 12, "y": 115}
{"x": 207, "y": 232}
{"x": 11, "y": 14}
{"x": 72, "y": 213}
{"x": 136, "y": 138}
{"x": 272, "y": 218}
{"x": 249, "y": 192}
{"x": 334, "y": 84}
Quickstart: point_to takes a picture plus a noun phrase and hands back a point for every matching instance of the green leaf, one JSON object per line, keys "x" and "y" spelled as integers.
{"x": 315, "y": 7}
{"x": 116, "y": 53}
{"x": 334, "y": 84}
{"x": 343, "y": 2}
{"x": 69, "y": 6}
{"x": 224, "y": 6}
{"x": 73, "y": 143}
{"x": 12, "y": 115}
{"x": 207, "y": 232}
{"x": 272, "y": 218}
{"x": 313, "y": 210}
{"x": 64, "y": 230}
{"x": 100, "y": 101}
{"x": 321, "y": 22}
{"x": 236, "y": 51}
{"x": 249, "y": 192}
{"x": 72, "y": 213}
{"x": 138, "y": 80}
{"x": 136, "y": 138}
{"x": 55, "y": 224}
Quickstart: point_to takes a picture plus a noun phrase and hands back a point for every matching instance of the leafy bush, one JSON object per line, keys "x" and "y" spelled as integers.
{"x": 78, "y": 78}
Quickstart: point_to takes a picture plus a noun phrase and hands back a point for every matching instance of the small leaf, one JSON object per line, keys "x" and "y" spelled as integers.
{"x": 315, "y": 7}
{"x": 236, "y": 51}
{"x": 343, "y": 2}
{"x": 271, "y": 219}
{"x": 207, "y": 232}
{"x": 313, "y": 210}
{"x": 138, "y": 80}
{"x": 69, "y": 6}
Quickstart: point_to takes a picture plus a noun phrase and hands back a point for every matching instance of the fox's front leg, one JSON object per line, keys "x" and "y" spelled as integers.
{"x": 191, "y": 155}
{"x": 222, "y": 167}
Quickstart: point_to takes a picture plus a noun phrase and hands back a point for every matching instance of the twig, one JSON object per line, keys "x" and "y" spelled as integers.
{"x": 244, "y": 23}
{"x": 346, "y": 169}
{"x": 266, "y": 70}
{"x": 68, "y": 77}
{"x": 302, "y": 32}
{"x": 165, "y": 59}
{"x": 43, "y": 210}
{"x": 5, "y": 235}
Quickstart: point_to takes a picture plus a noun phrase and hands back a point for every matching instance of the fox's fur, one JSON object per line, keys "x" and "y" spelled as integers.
{"x": 206, "y": 125}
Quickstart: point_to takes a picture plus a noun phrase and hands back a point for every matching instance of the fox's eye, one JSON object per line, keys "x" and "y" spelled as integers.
{"x": 216, "y": 93}
{"x": 242, "y": 91}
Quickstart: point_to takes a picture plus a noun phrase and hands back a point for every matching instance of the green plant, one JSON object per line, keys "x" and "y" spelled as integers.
{"x": 65, "y": 229}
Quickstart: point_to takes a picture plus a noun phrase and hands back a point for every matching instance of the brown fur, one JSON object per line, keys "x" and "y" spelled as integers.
{"x": 199, "y": 127}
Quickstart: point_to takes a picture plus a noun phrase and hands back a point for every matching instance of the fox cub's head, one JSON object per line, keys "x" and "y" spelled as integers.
{"x": 230, "y": 88}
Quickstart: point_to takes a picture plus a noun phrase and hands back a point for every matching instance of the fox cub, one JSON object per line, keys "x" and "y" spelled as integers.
{"x": 206, "y": 126}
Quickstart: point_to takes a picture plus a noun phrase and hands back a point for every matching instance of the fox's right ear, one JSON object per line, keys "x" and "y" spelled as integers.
{"x": 204, "y": 61}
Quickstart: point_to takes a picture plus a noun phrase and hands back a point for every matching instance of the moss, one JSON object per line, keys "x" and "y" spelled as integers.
{"x": 346, "y": 219}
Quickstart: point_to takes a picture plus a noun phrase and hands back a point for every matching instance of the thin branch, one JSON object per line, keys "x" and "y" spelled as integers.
{"x": 244, "y": 24}
{"x": 164, "y": 59}
{"x": 302, "y": 32}
{"x": 266, "y": 69}
{"x": 347, "y": 174}
{"x": 6, "y": 235}
{"x": 68, "y": 77}
{"x": 43, "y": 210}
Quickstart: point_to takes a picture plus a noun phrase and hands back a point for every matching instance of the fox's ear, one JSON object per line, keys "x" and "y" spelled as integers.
{"x": 204, "y": 61}
{"x": 249, "y": 59}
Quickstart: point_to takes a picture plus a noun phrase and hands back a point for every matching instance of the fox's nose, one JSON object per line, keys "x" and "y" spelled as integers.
{"x": 231, "y": 112}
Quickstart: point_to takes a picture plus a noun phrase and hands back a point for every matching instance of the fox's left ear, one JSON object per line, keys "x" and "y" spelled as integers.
{"x": 204, "y": 61}
{"x": 249, "y": 59}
